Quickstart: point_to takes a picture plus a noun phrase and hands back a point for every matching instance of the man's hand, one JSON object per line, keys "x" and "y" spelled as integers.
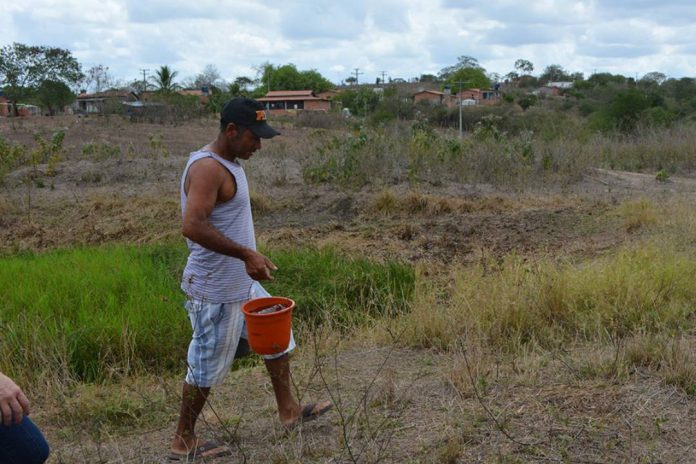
{"x": 13, "y": 403}
{"x": 258, "y": 266}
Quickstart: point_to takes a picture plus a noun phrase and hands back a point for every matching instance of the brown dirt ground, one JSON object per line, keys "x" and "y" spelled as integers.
{"x": 394, "y": 404}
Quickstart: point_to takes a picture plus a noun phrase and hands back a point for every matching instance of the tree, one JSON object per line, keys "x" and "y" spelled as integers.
{"x": 164, "y": 80}
{"x": 138, "y": 85}
{"x": 512, "y": 76}
{"x": 287, "y": 77}
{"x": 99, "y": 77}
{"x": 463, "y": 62}
{"x": 350, "y": 80}
{"x": 428, "y": 78}
{"x": 360, "y": 101}
{"x": 468, "y": 78}
{"x": 210, "y": 77}
{"x": 243, "y": 83}
{"x": 605, "y": 79}
{"x": 554, "y": 73}
{"x": 312, "y": 79}
{"x": 524, "y": 66}
{"x": 467, "y": 73}
{"x": 54, "y": 96}
{"x": 681, "y": 90}
{"x": 624, "y": 111}
{"x": 23, "y": 68}
{"x": 653, "y": 78}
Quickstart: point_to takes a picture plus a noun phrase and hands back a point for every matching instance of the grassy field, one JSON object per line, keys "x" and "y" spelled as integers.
{"x": 523, "y": 294}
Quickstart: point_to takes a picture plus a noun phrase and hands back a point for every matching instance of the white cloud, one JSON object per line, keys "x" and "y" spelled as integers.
{"x": 403, "y": 38}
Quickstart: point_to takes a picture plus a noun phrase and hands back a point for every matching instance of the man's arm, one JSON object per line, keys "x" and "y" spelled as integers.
{"x": 205, "y": 179}
{"x": 13, "y": 403}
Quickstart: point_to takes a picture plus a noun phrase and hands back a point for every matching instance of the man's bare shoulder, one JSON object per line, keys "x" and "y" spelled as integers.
{"x": 206, "y": 167}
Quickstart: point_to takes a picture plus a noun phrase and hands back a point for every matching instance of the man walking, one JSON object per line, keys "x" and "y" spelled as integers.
{"x": 222, "y": 273}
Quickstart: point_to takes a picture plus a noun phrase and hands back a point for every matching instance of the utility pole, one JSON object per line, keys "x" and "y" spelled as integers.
{"x": 459, "y": 93}
{"x": 383, "y": 73}
{"x": 461, "y": 133}
{"x": 357, "y": 73}
{"x": 144, "y": 71}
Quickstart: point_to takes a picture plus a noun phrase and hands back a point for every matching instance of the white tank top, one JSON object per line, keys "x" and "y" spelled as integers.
{"x": 211, "y": 276}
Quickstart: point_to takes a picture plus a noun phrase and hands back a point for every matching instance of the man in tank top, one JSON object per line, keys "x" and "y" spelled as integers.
{"x": 222, "y": 273}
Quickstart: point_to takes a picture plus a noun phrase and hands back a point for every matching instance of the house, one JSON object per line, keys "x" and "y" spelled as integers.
{"x": 468, "y": 97}
{"x": 291, "y": 101}
{"x": 23, "y": 110}
{"x": 90, "y": 103}
{"x": 435, "y": 97}
{"x": 485, "y": 97}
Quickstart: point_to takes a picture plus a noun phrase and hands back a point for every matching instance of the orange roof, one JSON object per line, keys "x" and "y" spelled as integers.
{"x": 289, "y": 93}
{"x": 430, "y": 91}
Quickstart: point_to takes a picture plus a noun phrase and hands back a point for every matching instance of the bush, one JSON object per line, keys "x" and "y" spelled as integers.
{"x": 11, "y": 156}
{"x": 526, "y": 101}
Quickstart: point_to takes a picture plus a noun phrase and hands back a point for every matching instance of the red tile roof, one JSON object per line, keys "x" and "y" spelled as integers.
{"x": 430, "y": 91}
{"x": 289, "y": 95}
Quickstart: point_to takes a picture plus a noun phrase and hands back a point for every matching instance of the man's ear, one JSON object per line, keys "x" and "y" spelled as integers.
{"x": 231, "y": 129}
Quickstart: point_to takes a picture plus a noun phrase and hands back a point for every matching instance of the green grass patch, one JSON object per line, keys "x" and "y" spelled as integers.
{"x": 91, "y": 314}
{"x": 330, "y": 288}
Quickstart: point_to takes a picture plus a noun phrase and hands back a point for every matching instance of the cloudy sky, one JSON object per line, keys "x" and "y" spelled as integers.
{"x": 402, "y": 38}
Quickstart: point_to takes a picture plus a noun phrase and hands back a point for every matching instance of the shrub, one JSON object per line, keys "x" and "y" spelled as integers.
{"x": 11, "y": 156}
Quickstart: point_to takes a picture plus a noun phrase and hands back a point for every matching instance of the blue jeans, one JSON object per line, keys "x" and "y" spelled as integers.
{"x": 22, "y": 443}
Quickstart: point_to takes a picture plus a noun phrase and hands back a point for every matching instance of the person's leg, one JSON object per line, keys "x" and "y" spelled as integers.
{"x": 192, "y": 401}
{"x": 22, "y": 443}
{"x": 289, "y": 410}
{"x": 279, "y": 370}
{"x": 216, "y": 331}
{"x": 278, "y": 366}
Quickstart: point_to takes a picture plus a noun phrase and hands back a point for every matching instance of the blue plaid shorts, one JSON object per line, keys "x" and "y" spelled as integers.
{"x": 217, "y": 329}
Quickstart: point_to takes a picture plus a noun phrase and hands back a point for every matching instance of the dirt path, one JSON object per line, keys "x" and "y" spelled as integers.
{"x": 406, "y": 406}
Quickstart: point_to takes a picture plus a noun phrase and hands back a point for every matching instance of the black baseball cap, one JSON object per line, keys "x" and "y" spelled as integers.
{"x": 249, "y": 113}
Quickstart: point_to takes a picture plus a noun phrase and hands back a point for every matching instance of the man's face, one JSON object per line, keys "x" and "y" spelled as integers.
{"x": 244, "y": 143}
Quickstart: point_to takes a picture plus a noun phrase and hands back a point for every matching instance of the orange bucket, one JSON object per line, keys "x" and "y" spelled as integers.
{"x": 268, "y": 333}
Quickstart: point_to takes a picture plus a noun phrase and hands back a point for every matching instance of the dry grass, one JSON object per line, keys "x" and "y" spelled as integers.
{"x": 513, "y": 302}
{"x": 389, "y": 203}
{"x": 638, "y": 214}
{"x": 517, "y": 348}
{"x": 260, "y": 203}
